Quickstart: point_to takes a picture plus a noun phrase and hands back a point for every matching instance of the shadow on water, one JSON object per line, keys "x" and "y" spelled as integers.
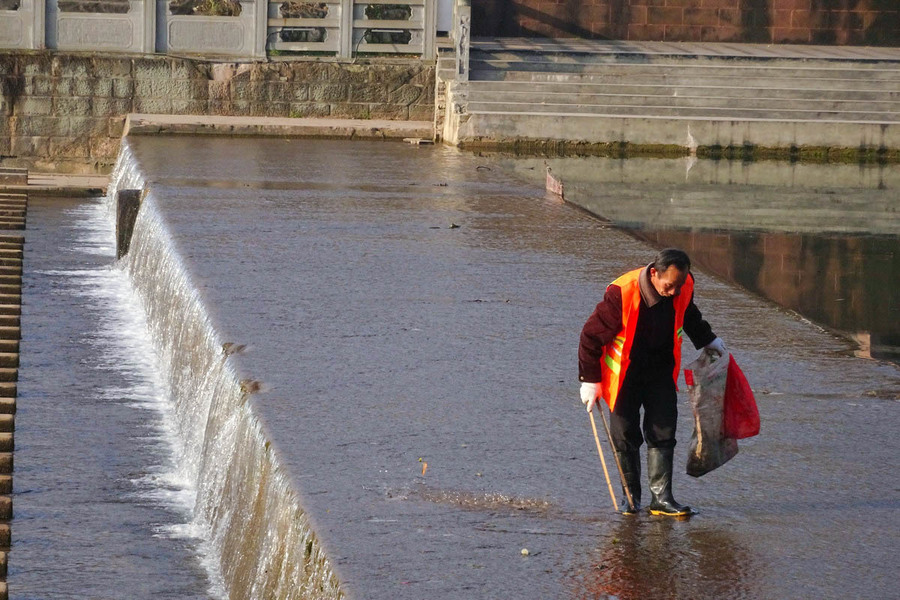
{"x": 662, "y": 558}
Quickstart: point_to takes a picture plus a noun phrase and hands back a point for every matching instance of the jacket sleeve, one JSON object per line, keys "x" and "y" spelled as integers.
{"x": 696, "y": 327}
{"x": 600, "y": 329}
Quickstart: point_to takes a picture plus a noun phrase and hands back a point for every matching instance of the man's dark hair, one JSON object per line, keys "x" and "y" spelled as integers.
{"x": 672, "y": 257}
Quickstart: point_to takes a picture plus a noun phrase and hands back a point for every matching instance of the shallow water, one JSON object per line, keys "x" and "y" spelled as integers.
{"x": 98, "y": 513}
{"x": 408, "y": 305}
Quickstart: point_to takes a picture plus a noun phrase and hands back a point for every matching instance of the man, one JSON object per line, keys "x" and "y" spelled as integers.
{"x": 630, "y": 354}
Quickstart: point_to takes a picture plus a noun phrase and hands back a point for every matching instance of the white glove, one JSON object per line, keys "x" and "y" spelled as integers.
{"x": 717, "y": 346}
{"x": 589, "y": 395}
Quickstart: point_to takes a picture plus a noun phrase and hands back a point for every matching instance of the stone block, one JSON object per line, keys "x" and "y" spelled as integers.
{"x": 34, "y": 105}
{"x": 106, "y": 107}
{"x": 38, "y": 86}
{"x": 682, "y": 33}
{"x": 189, "y": 69}
{"x": 122, "y": 88}
{"x": 277, "y": 91}
{"x": 270, "y": 109}
{"x": 30, "y": 146}
{"x": 720, "y": 34}
{"x": 104, "y": 147}
{"x": 729, "y": 16}
{"x": 38, "y": 126}
{"x": 406, "y": 95}
{"x": 347, "y": 110}
{"x": 328, "y": 92}
{"x": 72, "y": 106}
{"x": 660, "y": 15}
{"x": 75, "y": 66}
{"x": 147, "y": 67}
{"x": 218, "y": 90}
{"x": 239, "y": 108}
{"x": 786, "y": 35}
{"x": 370, "y": 93}
{"x": 219, "y": 107}
{"x": 64, "y": 86}
{"x": 421, "y": 112}
{"x": 116, "y": 126}
{"x": 152, "y": 105}
{"x": 646, "y": 32}
{"x": 36, "y": 65}
{"x": 68, "y": 147}
{"x": 389, "y": 111}
{"x": 309, "y": 110}
{"x": 84, "y": 127}
{"x": 189, "y": 107}
{"x": 110, "y": 67}
{"x": 707, "y": 17}
{"x": 300, "y": 92}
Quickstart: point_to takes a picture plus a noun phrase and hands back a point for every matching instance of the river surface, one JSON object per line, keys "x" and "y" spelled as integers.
{"x": 412, "y": 314}
{"x": 98, "y": 513}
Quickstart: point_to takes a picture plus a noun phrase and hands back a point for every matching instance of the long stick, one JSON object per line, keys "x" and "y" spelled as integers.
{"x": 603, "y": 461}
{"x": 616, "y": 458}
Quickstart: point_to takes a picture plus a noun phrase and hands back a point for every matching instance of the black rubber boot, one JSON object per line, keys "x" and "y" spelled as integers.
{"x": 659, "y": 467}
{"x": 631, "y": 468}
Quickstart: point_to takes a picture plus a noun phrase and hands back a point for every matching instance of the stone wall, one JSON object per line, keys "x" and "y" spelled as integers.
{"x": 838, "y": 22}
{"x": 60, "y": 109}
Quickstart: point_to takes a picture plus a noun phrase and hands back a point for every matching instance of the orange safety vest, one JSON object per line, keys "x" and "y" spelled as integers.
{"x": 616, "y": 354}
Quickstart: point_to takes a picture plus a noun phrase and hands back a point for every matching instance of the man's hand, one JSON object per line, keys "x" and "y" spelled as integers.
{"x": 589, "y": 395}
{"x": 717, "y": 346}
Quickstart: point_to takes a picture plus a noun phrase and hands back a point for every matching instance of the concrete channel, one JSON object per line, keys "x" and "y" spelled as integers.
{"x": 13, "y": 208}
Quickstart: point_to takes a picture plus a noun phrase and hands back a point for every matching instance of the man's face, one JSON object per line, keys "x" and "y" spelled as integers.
{"x": 668, "y": 283}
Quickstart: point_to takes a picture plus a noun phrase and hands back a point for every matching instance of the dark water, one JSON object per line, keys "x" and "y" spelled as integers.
{"x": 97, "y": 513}
{"x": 408, "y": 305}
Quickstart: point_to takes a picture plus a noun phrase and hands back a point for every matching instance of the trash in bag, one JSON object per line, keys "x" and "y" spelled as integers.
{"x": 706, "y": 379}
{"x": 741, "y": 413}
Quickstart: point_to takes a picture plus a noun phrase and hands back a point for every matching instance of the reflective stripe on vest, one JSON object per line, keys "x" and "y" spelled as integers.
{"x": 616, "y": 354}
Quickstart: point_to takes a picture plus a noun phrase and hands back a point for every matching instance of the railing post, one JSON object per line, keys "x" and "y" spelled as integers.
{"x": 462, "y": 28}
{"x": 430, "y": 24}
{"x": 39, "y": 25}
{"x": 346, "y": 49}
{"x": 261, "y": 28}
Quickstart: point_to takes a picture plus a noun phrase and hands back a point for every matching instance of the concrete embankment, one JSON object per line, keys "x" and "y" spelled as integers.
{"x": 13, "y": 206}
{"x": 66, "y": 111}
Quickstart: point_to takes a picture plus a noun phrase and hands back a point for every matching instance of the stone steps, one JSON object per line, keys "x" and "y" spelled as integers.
{"x": 13, "y": 209}
{"x": 576, "y": 94}
{"x": 529, "y": 108}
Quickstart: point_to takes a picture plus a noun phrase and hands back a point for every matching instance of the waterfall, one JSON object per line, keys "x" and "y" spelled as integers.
{"x": 258, "y": 536}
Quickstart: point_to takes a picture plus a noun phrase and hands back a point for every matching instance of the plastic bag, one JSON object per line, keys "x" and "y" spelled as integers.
{"x": 741, "y": 413}
{"x": 706, "y": 379}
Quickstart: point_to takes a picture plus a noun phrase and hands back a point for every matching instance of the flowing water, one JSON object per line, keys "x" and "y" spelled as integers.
{"x": 365, "y": 359}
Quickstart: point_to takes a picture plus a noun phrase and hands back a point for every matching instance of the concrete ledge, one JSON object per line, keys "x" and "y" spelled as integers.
{"x": 499, "y": 130}
{"x": 144, "y": 124}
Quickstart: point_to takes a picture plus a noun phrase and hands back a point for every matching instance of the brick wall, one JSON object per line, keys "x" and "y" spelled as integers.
{"x": 830, "y": 22}
{"x": 70, "y": 108}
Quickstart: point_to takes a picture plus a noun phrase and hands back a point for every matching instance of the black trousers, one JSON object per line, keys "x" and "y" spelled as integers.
{"x": 654, "y": 390}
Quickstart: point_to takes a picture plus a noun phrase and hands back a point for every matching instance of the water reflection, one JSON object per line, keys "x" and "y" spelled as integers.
{"x": 664, "y": 558}
{"x": 845, "y": 282}
{"x": 823, "y": 240}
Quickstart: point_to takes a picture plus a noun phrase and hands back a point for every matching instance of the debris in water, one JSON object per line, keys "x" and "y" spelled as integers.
{"x": 525, "y": 552}
{"x": 453, "y": 226}
{"x": 424, "y": 467}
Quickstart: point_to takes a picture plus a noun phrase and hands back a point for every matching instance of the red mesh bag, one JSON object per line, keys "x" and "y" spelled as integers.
{"x": 741, "y": 416}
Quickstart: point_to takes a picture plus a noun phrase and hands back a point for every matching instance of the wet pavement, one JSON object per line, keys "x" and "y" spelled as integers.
{"x": 407, "y": 305}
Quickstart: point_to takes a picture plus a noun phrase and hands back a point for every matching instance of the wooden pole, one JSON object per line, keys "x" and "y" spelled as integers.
{"x": 603, "y": 461}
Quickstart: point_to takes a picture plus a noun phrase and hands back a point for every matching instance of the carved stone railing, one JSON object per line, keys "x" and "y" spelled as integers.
{"x": 253, "y": 29}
